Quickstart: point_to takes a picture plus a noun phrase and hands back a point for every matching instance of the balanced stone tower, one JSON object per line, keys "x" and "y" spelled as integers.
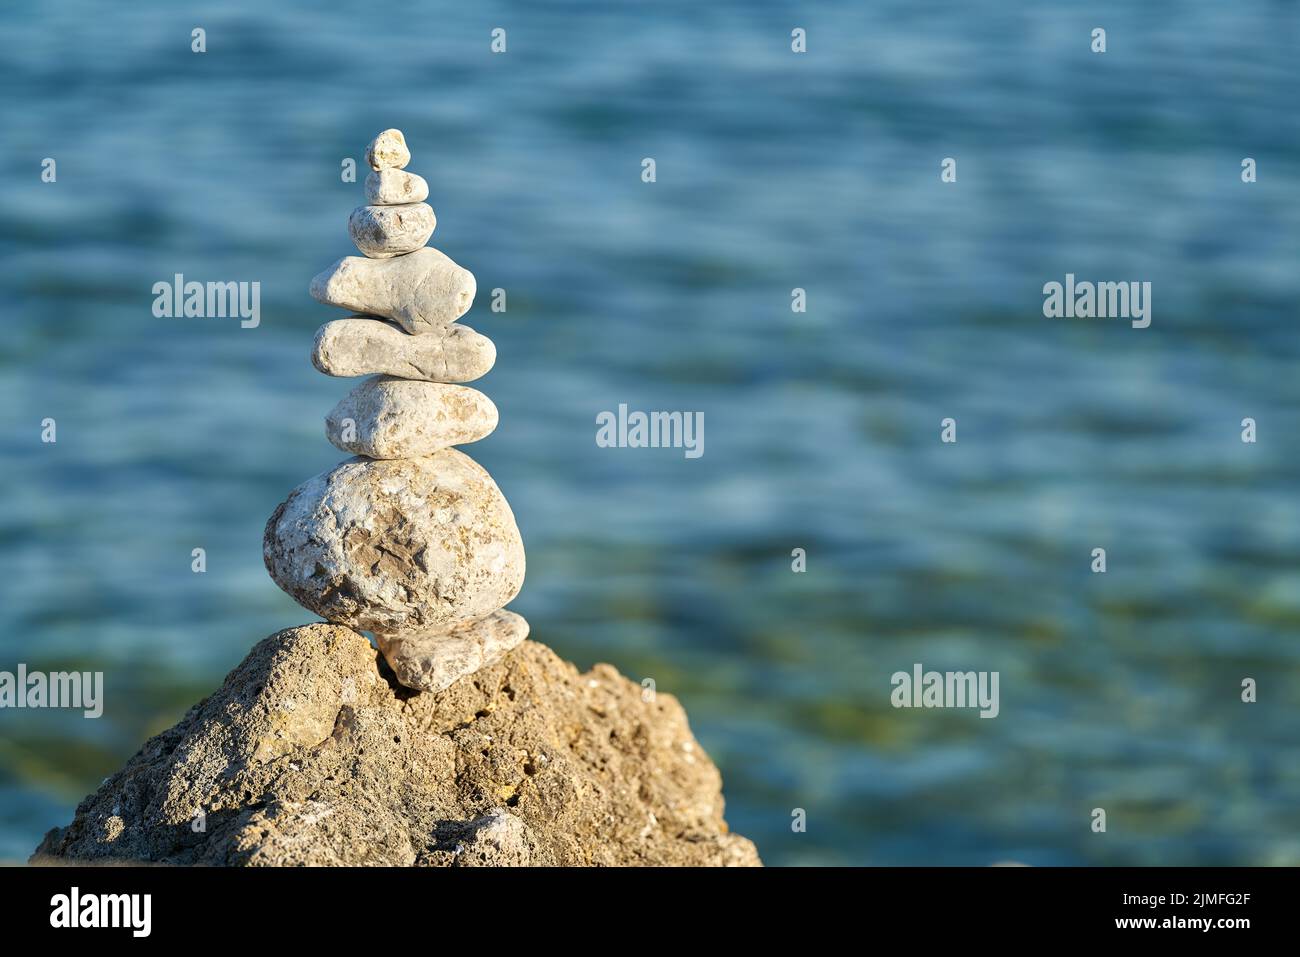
{"x": 411, "y": 540}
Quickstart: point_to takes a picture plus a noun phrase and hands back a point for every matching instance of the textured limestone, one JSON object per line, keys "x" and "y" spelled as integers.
{"x": 435, "y": 662}
{"x": 498, "y": 839}
{"x": 423, "y": 291}
{"x": 390, "y": 418}
{"x": 367, "y": 346}
{"x": 388, "y": 150}
{"x": 397, "y": 545}
{"x": 382, "y": 232}
{"x": 309, "y": 754}
{"x": 392, "y": 187}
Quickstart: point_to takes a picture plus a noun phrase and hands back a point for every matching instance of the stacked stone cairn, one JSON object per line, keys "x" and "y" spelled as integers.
{"x": 411, "y": 540}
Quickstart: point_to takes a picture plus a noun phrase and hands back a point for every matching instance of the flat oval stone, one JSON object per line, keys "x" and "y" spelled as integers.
{"x": 400, "y": 545}
{"x": 388, "y": 150}
{"x": 364, "y": 345}
{"x": 392, "y": 187}
{"x": 436, "y": 661}
{"x": 390, "y": 418}
{"x": 382, "y": 232}
{"x": 423, "y": 291}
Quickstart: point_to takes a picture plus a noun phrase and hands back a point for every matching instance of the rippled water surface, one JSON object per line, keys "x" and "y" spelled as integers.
{"x": 774, "y": 171}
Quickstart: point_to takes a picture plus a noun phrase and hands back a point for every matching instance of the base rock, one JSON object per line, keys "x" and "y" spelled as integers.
{"x": 311, "y": 754}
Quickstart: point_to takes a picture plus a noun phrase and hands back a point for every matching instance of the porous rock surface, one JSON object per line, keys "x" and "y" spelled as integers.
{"x": 423, "y": 291}
{"x": 391, "y": 187}
{"x": 311, "y": 754}
{"x": 363, "y": 345}
{"x": 435, "y": 662}
{"x": 387, "y": 417}
{"x": 382, "y": 232}
{"x": 397, "y": 544}
{"x": 388, "y": 150}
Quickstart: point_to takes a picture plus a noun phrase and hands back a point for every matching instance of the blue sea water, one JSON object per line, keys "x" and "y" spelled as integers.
{"x": 774, "y": 170}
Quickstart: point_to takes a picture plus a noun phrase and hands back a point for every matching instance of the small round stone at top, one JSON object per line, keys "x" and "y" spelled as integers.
{"x": 388, "y": 150}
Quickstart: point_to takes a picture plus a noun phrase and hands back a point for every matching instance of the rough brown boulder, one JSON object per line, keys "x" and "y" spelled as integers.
{"x": 310, "y": 753}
